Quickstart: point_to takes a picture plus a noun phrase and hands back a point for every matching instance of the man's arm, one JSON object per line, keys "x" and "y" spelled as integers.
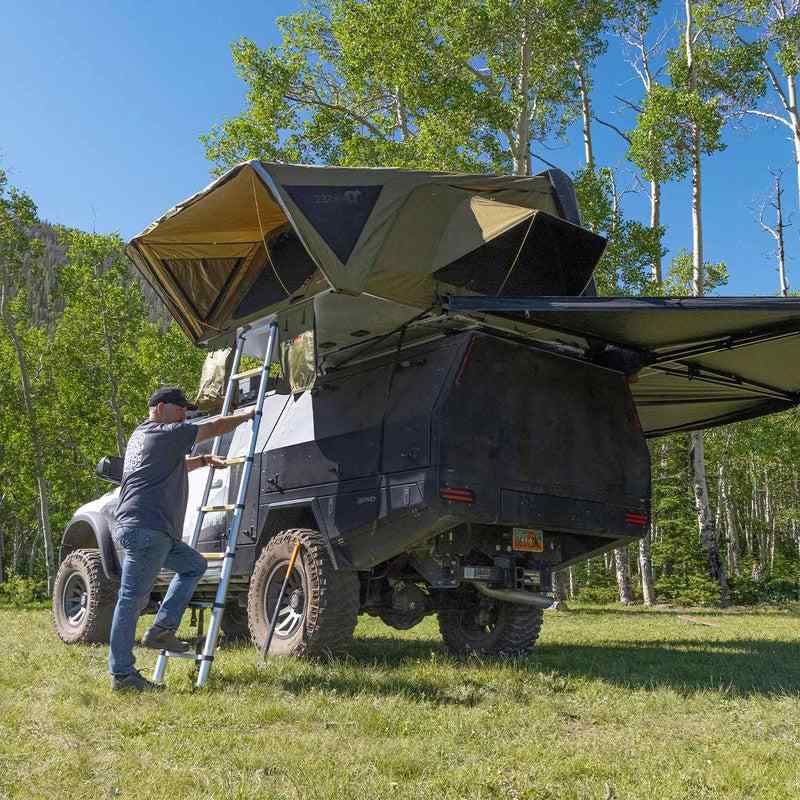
{"x": 216, "y": 426}
{"x": 207, "y": 460}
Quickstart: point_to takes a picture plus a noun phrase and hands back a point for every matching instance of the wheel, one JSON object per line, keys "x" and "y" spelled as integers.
{"x": 319, "y": 609}
{"x": 83, "y": 599}
{"x": 491, "y": 627}
{"x": 234, "y": 622}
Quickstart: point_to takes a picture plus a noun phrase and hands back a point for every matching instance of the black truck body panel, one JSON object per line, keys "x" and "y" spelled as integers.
{"x": 539, "y": 446}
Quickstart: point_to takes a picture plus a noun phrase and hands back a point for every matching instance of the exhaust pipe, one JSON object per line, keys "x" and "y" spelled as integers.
{"x": 514, "y": 595}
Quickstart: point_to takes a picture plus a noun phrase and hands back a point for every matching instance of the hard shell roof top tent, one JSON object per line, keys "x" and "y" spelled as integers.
{"x": 355, "y": 253}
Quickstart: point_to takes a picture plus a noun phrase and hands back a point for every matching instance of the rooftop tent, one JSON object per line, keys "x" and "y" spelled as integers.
{"x": 695, "y": 362}
{"x": 267, "y": 236}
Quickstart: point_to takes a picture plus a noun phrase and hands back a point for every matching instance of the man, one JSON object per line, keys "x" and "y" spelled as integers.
{"x": 150, "y": 515}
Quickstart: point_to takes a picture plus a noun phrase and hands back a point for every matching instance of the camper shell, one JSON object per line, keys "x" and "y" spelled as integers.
{"x": 456, "y": 415}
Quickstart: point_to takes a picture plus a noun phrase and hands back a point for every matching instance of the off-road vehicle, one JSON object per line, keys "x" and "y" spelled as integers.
{"x": 456, "y": 415}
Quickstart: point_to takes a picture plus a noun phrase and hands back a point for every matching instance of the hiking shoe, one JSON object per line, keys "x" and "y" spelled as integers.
{"x": 158, "y": 638}
{"x": 133, "y": 682}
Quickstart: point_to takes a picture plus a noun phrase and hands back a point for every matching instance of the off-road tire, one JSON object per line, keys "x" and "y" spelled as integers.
{"x": 331, "y": 597}
{"x": 82, "y": 572}
{"x": 513, "y": 633}
{"x": 234, "y": 622}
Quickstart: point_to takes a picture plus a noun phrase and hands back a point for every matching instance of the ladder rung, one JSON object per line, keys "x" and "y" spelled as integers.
{"x": 236, "y": 460}
{"x": 226, "y": 507}
{"x": 248, "y": 373}
{"x": 212, "y": 556}
{"x": 170, "y": 654}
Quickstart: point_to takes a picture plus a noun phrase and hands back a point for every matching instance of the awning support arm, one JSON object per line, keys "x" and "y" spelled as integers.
{"x": 727, "y": 379}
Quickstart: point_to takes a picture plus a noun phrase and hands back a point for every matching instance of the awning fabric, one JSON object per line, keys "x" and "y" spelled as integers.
{"x": 224, "y": 255}
{"x": 695, "y": 362}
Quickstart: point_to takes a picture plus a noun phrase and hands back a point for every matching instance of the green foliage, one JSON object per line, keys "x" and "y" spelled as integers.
{"x": 689, "y": 590}
{"x": 431, "y": 85}
{"x": 626, "y": 265}
{"x": 679, "y": 280}
{"x": 90, "y": 375}
{"x": 20, "y": 591}
{"x": 726, "y": 77}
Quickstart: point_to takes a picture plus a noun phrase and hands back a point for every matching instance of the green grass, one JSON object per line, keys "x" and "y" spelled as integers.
{"x": 615, "y": 703}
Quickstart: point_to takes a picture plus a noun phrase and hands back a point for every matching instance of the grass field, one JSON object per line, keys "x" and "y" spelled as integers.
{"x": 615, "y": 703}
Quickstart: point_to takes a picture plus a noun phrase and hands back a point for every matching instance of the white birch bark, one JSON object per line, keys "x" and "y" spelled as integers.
{"x": 521, "y": 146}
{"x": 705, "y": 520}
{"x": 646, "y": 570}
{"x": 559, "y": 591}
{"x": 623, "y": 569}
{"x": 586, "y": 114}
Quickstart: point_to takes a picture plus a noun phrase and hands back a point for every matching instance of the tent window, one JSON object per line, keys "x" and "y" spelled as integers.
{"x": 292, "y": 263}
{"x": 338, "y": 213}
{"x": 556, "y": 259}
{"x": 202, "y": 280}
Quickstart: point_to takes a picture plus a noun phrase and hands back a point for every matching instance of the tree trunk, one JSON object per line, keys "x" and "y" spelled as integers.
{"x": 646, "y": 569}
{"x": 730, "y": 524}
{"x": 559, "y": 591}
{"x": 784, "y": 284}
{"x": 623, "y": 575}
{"x": 794, "y": 118}
{"x": 704, "y": 519}
{"x": 655, "y": 222}
{"x": 708, "y": 537}
{"x": 401, "y": 114}
{"x": 30, "y": 413}
{"x": 521, "y": 149}
{"x": 586, "y": 114}
{"x": 116, "y": 412}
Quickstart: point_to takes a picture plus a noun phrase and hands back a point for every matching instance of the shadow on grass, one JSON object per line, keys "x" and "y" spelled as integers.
{"x": 640, "y": 611}
{"x": 736, "y": 667}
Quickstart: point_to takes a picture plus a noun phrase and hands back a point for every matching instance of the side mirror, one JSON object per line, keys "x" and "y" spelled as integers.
{"x": 109, "y": 468}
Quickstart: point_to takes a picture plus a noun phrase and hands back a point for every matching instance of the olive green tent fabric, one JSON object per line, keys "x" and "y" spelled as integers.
{"x": 213, "y": 380}
{"x": 702, "y": 361}
{"x": 214, "y": 258}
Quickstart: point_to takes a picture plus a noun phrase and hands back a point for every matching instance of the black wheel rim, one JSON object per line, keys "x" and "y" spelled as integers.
{"x": 480, "y": 623}
{"x": 292, "y": 612}
{"x": 75, "y": 600}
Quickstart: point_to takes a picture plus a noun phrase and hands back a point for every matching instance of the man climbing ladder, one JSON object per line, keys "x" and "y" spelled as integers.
{"x": 149, "y": 516}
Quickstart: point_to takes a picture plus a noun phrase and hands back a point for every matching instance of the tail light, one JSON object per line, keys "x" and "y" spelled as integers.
{"x": 457, "y": 494}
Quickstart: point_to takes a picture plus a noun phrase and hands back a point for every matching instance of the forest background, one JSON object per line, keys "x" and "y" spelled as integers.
{"x": 477, "y": 86}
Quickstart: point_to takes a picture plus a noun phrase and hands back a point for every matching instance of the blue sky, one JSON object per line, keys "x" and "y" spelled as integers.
{"x": 103, "y": 104}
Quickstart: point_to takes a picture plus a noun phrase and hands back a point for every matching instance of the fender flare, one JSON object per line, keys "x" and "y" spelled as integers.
{"x": 89, "y": 529}
{"x": 308, "y": 504}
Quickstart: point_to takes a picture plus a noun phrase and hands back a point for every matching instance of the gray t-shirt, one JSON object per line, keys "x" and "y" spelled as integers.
{"x": 155, "y": 484}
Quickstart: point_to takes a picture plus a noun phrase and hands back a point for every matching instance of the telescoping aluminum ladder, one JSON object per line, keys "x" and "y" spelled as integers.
{"x": 204, "y": 658}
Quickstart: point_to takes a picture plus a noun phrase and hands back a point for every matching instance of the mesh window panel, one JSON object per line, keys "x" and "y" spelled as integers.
{"x": 202, "y": 280}
{"x": 556, "y": 259}
{"x": 292, "y": 263}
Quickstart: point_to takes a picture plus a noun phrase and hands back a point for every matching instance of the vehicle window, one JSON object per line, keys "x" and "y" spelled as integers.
{"x": 204, "y": 448}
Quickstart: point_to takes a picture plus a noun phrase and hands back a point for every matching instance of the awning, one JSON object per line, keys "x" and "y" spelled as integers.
{"x": 694, "y": 362}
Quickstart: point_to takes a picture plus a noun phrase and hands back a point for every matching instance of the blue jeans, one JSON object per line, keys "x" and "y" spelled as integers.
{"x": 146, "y": 552}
